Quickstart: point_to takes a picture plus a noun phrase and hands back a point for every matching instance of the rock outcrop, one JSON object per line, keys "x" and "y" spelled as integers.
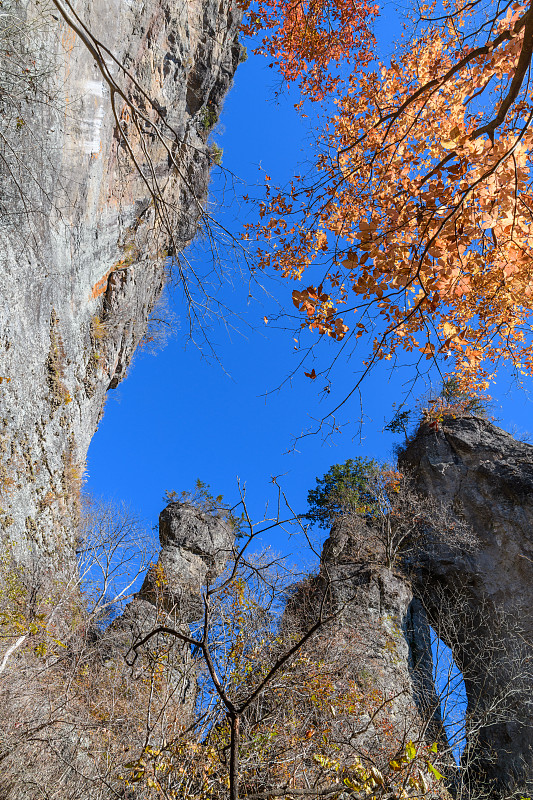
{"x": 482, "y": 600}
{"x": 382, "y": 631}
{"x": 82, "y": 253}
{"x": 194, "y": 550}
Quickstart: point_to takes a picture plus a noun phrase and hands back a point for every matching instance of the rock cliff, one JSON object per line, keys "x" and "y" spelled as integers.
{"x": 194, "y": 550}
{"x": 381, "y": 629}
{"x": 83, "y": 262}
{"x": 481, "y": 601}
{"x": 82, "y": 253}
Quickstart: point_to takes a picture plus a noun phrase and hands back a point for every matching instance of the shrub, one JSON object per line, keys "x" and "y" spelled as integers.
{"x": 216, "y": 154}
{"x": 388, "y": 521}
{"x": 202, "y": 499}
{"x": 209, "y": 119}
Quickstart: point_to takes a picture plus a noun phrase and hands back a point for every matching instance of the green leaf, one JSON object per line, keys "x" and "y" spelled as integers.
{"x": 410, "y": 751}
{"x": 434, "y": 771}
{"x": 350, "y": 486}
{"x": 434, "y": 748}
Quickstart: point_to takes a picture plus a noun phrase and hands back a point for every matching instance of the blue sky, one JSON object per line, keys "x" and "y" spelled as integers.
{"x": 180, "y": 416}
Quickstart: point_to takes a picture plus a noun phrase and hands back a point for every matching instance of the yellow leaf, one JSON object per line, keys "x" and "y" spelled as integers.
{"x": 434, "y": 771}
{"x": 448, "y": 329}
{"x": 378, "y": 777}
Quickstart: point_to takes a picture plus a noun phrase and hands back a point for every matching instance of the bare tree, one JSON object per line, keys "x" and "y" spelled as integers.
{"x": 114, "y": 550}
{"x": 287, "y": 705}
{"x": 26, "y": 80}
{"x": 302, "y": 689}
{"x": 483, "y": 668}
{"x": 71, "y": 708}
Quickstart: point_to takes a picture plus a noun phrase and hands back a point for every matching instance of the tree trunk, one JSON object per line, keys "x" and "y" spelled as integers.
{"x": 234, "y": 757}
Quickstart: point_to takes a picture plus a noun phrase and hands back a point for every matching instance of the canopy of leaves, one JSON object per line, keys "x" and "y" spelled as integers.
{"x": 309, "y": 41}
{"x": 418, "y": 217}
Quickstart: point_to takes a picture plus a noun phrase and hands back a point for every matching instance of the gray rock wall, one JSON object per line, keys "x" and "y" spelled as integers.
{"x": 81, "y": 266}
{"x": 194, "y": 550}
{"x": 383, "y": 631}
{"x": 481, "y": 601}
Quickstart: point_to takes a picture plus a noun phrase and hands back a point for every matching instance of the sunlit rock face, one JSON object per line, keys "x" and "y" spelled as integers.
{"x": 81, "y": 266}
{"x": 195, "y": 548}
{"x": 381, "y": 634}
{"x": 482, "y": 601}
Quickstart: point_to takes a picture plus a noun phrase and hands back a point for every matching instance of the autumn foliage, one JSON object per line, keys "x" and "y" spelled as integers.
{"x": 415, "y": 230}
{"x": 309, "y": 41}
{"x": 322, "y": 726}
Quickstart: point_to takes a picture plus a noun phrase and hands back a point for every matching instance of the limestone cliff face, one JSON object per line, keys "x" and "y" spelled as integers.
{"x": 482, "y": 600}
{"x": 81, "y": 262}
